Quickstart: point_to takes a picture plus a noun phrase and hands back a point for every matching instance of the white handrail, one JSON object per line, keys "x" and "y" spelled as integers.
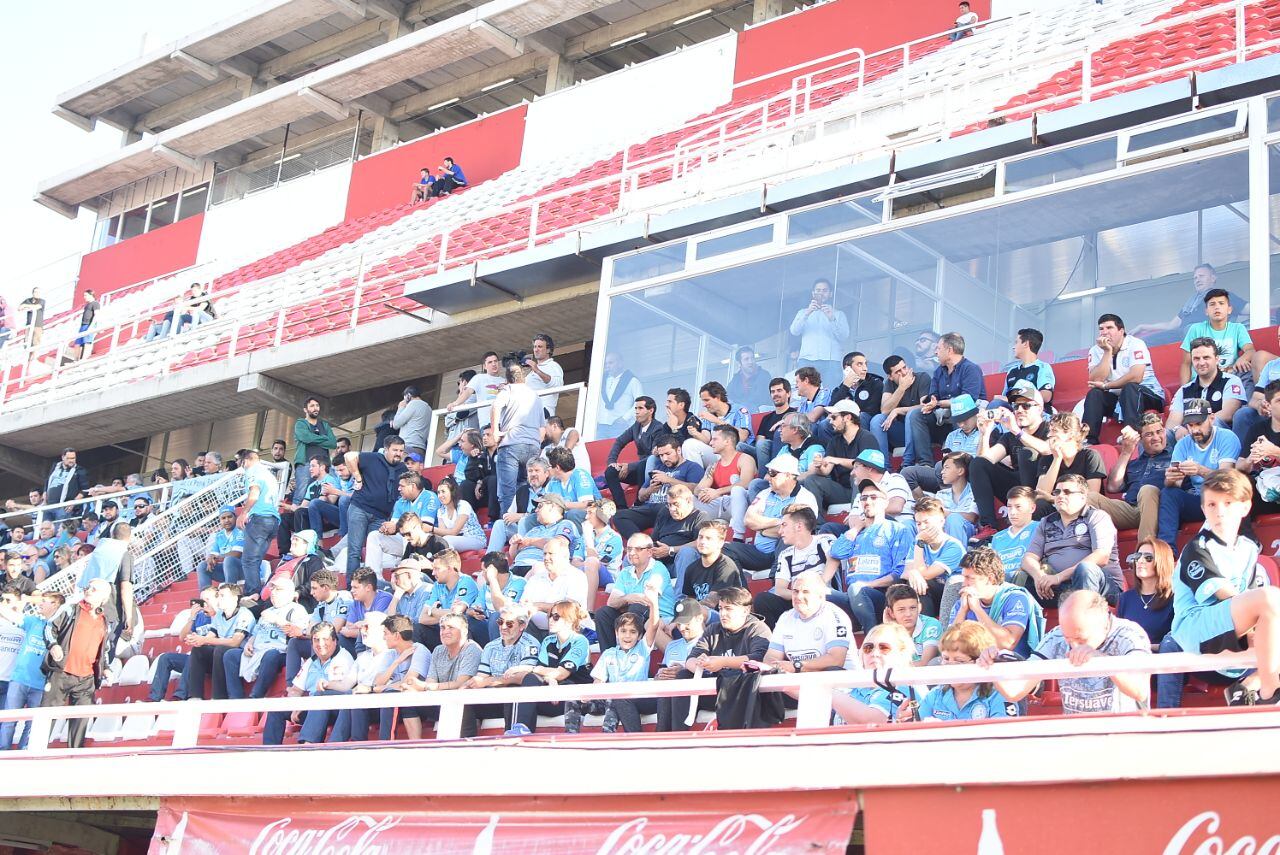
{"x": 814, "y": 692}
{"x": 95, "y": 501}
{"x": 436, "y": 415}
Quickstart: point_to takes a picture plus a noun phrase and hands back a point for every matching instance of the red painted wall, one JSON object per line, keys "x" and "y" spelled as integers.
{"x": 484, "y": 149}
{"x": 140, "y": 258}
{"x": 835, "y": 27}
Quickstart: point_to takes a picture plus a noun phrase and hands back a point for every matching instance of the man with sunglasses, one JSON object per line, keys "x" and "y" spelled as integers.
{"x": 873, "y": 551}
{"x": 1139, "y": 479}
{"x": 639, "y": 572}
{"x": 503, "y": 662}
{"x": 1074, "y": 548}
{"x": 1009, "y": 459}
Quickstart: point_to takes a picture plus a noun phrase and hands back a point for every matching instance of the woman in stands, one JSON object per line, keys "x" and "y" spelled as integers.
{"x": 886, "y": 648}
{"x": 456, "y": 520}
{"x": 1220, "y": 593}
{"x": 298, "y": 565}
{"x": 1150, "y": 603}
{"x": 961, "y": 644}
{"x": 562, "y": 658}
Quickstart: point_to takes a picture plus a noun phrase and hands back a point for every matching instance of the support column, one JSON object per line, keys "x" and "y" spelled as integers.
{"x": 763, "y": 10}
{"x": 559, "y": 73}
{"x": 386, "y": 133}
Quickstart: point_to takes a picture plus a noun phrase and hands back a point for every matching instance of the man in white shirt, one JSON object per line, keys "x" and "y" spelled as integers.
{"x": 967, "y": 18}
{"x": 813, "y": 635}
{"x": 618, "y": 392}
{"x": 1120, "y": 378}
{"x": 517, "y": 421}
{"x": 482, "y": 388}
{"x": 557, "y": 580}
{"x": 545, "y": 372}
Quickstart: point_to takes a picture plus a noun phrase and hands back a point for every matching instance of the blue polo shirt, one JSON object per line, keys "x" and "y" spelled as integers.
{"x": 580, "y": 487}
{"x": 965, "y": 378}
{"x": 1011, "y": 547}
{"x": 881, "y": 550}
{"x": 412, "y": 604}
{"x": 563, "y": 528}
{"x": 940, "y": 704}
{"x": 958, "y": 441}
{"x": 1223, "y": 445}
{"x": 465, "y": 590}
{"x": 427, "y": 505}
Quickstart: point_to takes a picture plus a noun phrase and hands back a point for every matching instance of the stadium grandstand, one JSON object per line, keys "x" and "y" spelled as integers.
{"x": 747, "y": 399}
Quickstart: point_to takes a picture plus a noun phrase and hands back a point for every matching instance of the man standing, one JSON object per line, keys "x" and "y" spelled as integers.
{"x": 67, "y": 482}
{"x": 412, "y": 421}
{"x": 822, "y": 329}
{"x": 371, "y": 505}
{"x": 1121, "y": 378}
{"x": 544, "y": 372}
{"x": 76, "y": 637}
{"x": 1204, "y": 449}
{"x": 260, "y": 516}
{"x": 955, "y": 375}
{"x": 312, "y": 436}
{"x": 618, "y": 389}
{"x": 517, "y": 420}
{"x": 84, "y": 343}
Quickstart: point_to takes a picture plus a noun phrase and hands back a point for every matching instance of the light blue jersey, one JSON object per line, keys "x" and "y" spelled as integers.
{"x": 941, "y": 704}
{"x": 876, "y": 551}
{"x": 616, "y": 665}
{"x": 1011, "y": 547}
{"x": 1223, "y": 445}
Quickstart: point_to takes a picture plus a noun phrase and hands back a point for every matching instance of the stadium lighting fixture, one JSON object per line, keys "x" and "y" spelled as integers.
{"x": 1088, "y": 292}
{"x": 492, "y": 86}
{"x": 695, "y": 16}
{"x": 638, "y": 35}
{"x": 443, "y": 104}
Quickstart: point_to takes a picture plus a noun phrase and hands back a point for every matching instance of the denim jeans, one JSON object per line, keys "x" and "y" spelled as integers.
{"x": 1243, "y": 421}
{"x": 259, "y": 531}
{"x": 268, "y": 670}
{"x": 923, "y": 430}
{"x": 360, "y": 521}
{"x": 344, "y": 504}
{"x": 895, "y": 436}
{"x": 18, "y": 697}
{"x": 1169, "y": 686}
{"x": 322, "y": 515}
{"x": 507, "y": 462}
{"x": 301, "y": 478}
{"x": 1176, "y": 507}
{"x": 166, "y": 665}
{"x": 1089, "y": 577}
{"x": 866, "y": 606}
{"x": 314, "y": 724}
{"x": 761, "y": 448}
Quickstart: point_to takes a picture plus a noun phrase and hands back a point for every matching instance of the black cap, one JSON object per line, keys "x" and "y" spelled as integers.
{"x": 1195, "y": 410}
{"x": 688, "y": 610}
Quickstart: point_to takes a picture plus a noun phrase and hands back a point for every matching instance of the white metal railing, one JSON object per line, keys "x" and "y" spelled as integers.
{"x": 951, "y": 86}
{"x": 94, "y": 503}
{"x": 437, "y": 416}
{"x": 814, "y": 692}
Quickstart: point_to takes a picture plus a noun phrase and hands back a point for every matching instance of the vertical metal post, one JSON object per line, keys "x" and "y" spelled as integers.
{"x": 1259, "y": 216}
{"x": 359, "y": 292}
{"x": 284, "y": 149}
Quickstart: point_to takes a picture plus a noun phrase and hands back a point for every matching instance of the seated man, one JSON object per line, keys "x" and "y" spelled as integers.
{"x": 638, "y": 573}
{"x": 813, "y": 635}
{"x": 527, "y": 549}
{"x": 804, "y": 549}
{"x": 329, "y": 671}
{"x": 385, "y": 544}
{"x": 556, "y": 435}
{"x": 453, "y": 591}
{"x": 1223, "y": 391}
{"x": 410, "y": 594}
{"x": 454, "y": 661}
{"x": 450, "y": 178}
{"x": 1027, "y": 368}
{"x": 1086, "y": 629}
{"x": 228, "y": 628}
{"x": 765, "y": 514}
{"x": 870, "y": 466}
{"x": 1074, "y": 548}
{"x": 686, "y": 428}
{"x": 1014, "y": 619}
{"x": 644, "y": 433}
{"x": 676, "y": 527}
{"x": 405, "y": 654}
{"x": 1233, "y": 346}
{"x": 795, "y": 441}
{"x": 366, "y": 598}
{"x": 903, "y": 392}
{"x": 570, "y": 483}
{"x": 762, "y": 445}
{"x": 716, "y": 411}
{"x": 555, "y": 581}
{"x": 325, "y": 514}
{"x": 1139, "y": 479}
{"x": 672, "y": 469}
{"x": 332, "y": 606}
{"x": 521, "y": 514}
{"x": 832, "y": 468}
{"x": 1121, "y": 379}
{"x": 172, "y": 662}
{"x": 714, "y": 493}
{"x": 422, "y": 187}
{"x": 1204, "y": 279}
{"x": 262, "y": 658}
{"x": 874, "y": 552}
{"x": 956, "y": 375}
{"x": 1009, "y": 459}
{"x": 707, "y": 570}
{"x": 811, "y": 397}
{"x": 858, "y": 385}
{"x": 933, "y": 567}
{"x": 503, "y": 662}
{"x": 1204, "y": 449}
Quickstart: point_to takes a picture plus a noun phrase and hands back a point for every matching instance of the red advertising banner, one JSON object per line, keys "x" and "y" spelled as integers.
{"x": 1161, "y": 817}
{"x": 706, "y": 824}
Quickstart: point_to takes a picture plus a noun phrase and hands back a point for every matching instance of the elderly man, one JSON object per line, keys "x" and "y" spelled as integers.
{"x": 1086, "y": 628}
{"x": 764, "y": 515}
{"x": 263, "y": 655}
{"x": 454, "y": 661}
{"x": 955, "y": 375}
{"x": 638, "y": 573}
{"x": 503, "y": 662}
{"x": 329, "y": 671}
{"x": 814, "y": 634}
{"x": 520, "y": 514}
{"x": 1074, "y": 548}
{"x": 76, "y": 637}
{"x": 676, "y": 526}
{"x": 557, "y": 580}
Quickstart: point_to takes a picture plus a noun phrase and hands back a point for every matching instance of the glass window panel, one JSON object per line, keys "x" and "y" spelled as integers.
{"x": 134, "y": 223}
{"x": 163, "y": 212}
{"x": 733, "y": 242}
{"x": 658, "y": 261}
{"x": 1182, "y": 131}
{"x": 1055, "y": 166}
{"x": 829, "y": 219}
{"x": 1273, "y": 114}
{"x": 193, "y": 201}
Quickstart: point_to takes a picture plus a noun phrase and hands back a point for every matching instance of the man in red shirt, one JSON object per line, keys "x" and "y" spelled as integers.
{"x": 77, "y": 657}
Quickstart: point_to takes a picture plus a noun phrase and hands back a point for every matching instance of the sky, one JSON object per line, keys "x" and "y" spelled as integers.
{"x": 51, "y": 48}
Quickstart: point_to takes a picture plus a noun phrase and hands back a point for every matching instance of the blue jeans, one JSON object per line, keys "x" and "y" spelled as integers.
{"x": 761, "y": 448}
{"x": 959, "y": 528}
{"x": 296, "y": 650}
{"x": 866, "y": 606}
{"x": 1244, "y": 419}
{"x": 344, "y": 504}
{"x": 18, "y": 697}
{"x": 1176, "y": 507}
{"x": 823, "y": 431}
{"x": 268, "y": 670}
{"x": 321, "y": 514}
{"x": 314, "y": 725}
{"x": 166, "y": 665}
{"x": 259, "y": 531}
{"x": 360, "y": 521}
{"x": 507, "y": 462}
{"x": 896, "y": 435}
{"x": 301, "y": 478}
{"x": 1089, "y": 577}
{"x": 230, "y": 572}
{"x": 923, "y": 430}
{"x": 1169, "y": 686}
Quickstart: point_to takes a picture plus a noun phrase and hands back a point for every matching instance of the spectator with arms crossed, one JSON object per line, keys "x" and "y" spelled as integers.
{"x": 1121, "y": 379}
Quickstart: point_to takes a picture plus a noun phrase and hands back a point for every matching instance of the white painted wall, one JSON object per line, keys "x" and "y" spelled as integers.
{"x": 247, "y": 229}
{"x": 633, "y": 103}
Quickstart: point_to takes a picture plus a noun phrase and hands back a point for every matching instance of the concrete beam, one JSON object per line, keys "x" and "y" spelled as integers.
{"x": 24, "y": 464}
{"x": 58, "y": 206}
{"x": 420, "y": 10}
{"x": 658, "y": 18}
{"x": 63, "y": 833}
{"x": 274, "y": 394}
{"x": 520, "y": 66}
{"x": 199, "y": 66}
{"x": 175, "y": 111}
{"x": 510, "y": 45}
{"x": 544, "y": 42}
{"x": 351, "y": 8}
{"x": 194, "y": 165}
{"x": 559, "y": 74}
{"x": 296, "y": 60}
{"x": 324, "y": 103}
{"x": 373, "y": 105}
{"x": 383, "y": 9}
{"x": 240, "y": 67}
{"x": 84, "y": 123}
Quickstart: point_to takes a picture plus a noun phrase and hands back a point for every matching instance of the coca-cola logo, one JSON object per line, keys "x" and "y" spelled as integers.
{"x": 1201, "y": 831}
{"x": 740, "y": 834}
{"x": 277, "y": 838}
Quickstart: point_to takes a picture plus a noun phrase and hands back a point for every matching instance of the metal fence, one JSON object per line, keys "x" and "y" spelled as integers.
{"x": 289, "y": 164}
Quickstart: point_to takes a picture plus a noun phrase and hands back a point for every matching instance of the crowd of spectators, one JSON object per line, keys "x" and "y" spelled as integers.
{"x": 967, "y": 518}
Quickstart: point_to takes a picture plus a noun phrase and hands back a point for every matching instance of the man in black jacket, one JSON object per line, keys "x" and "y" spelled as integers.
{"x": 644, "y": 432}
{"x": 76, "y": 658}
{"x": 726, "y": 650}
{"x": 66, "y": 482}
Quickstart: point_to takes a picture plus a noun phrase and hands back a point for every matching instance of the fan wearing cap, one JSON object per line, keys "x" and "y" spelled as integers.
{"x": 1007, "y": 459}
{"x": 964, "y": 437}
{"x": 1121, "y": 379}
{"x": 871, "y": 555}
{"x": 527, "y": 549}
{"x": 690, "y": 619}
{"x": 1204, "y": 449}
{"x": 764, "y": 515}
{"x": 1223, "y": 391}
{"x": 312, "y": 436}
{"x": 832, "y": 468}
{"x": 870, "y": 465}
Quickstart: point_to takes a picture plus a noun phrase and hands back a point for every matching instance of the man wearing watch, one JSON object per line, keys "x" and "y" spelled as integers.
{"x": 1007, "y": 459}
{"x": 813, "y": 635}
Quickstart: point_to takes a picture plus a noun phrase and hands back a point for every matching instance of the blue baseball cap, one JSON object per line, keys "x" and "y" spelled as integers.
{"x": 963, "y": 407}
{"x": 872, "y": 457}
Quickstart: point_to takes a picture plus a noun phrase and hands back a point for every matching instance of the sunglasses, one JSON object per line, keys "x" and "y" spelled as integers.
{"x": 1144, "y": 556}
{"x": 506, "y": 623}
{"x": 639, "y": 548}
{"x": 870, "y": 497}
{"x": 1062, "y": 492}
{"x": 772, "y": 473}
{"x": 1024, "y": 405}
{"x": 553, "y": 617}
{"x": 872, "y": 647}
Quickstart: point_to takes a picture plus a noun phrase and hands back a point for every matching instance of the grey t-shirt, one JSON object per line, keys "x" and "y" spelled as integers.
{"x": 465, "y": 664}
{"x": 1097, "y": 694}
{"x": 520, "y": 415}
{"x": 1065, "y": 545}
{"x": 412, "y": 422}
